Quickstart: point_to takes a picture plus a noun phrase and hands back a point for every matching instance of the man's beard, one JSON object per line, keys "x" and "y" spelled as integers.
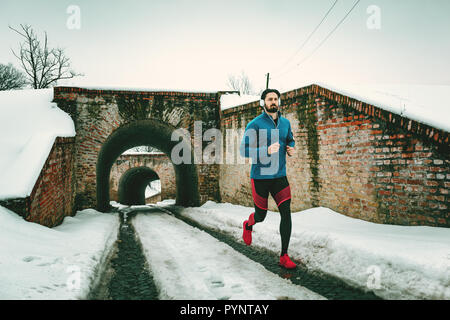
{"x": 272, "y": 109}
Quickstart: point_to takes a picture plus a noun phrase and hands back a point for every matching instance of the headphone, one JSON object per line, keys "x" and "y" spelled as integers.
{"x": 261, "y": 102}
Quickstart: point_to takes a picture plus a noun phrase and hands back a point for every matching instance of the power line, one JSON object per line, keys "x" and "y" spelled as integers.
{"x": 323, "y": 41}
{"x": 310, "y": 35}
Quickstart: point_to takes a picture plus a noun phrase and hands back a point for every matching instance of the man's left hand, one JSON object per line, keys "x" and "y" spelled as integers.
{"x": 290, "y": 151}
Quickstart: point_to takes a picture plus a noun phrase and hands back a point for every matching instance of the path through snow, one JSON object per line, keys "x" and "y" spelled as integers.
{"x": 188, "y": 263}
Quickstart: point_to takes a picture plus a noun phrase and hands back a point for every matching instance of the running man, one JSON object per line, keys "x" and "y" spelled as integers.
{"x": 267, "y": 139}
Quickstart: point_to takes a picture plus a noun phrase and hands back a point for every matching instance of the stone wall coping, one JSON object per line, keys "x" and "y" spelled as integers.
{"x": 91, "y": 91}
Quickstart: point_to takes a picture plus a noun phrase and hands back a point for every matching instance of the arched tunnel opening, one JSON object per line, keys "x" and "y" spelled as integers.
{"x": 133, "y": 184}
{"x": 153, "y": 133}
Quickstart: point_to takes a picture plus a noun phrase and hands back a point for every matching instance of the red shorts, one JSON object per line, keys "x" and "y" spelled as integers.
{"x": 278, "y": 187}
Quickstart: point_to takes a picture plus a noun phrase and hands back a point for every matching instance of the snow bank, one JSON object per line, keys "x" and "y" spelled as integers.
{"x": 37, "y": 262}
{"x": 29, "y": 124}
{"x": 396, "y": 262}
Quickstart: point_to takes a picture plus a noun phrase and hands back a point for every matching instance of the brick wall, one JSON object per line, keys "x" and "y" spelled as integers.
{"x": 160, "y": 163}
{"x": 209, "y": 187}
{"x": 53, "y": 194}
{"x": 354, "y": 158}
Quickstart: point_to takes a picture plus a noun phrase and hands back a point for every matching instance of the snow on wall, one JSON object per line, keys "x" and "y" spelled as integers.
{"x": 124, "y": 88}
{"x": 230, "y": 100}
{"x": 29, "y": 125}
{"x": 428, "y": 104}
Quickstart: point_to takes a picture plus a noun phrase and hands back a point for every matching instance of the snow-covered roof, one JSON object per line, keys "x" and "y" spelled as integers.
{"x": 29, "y": 124}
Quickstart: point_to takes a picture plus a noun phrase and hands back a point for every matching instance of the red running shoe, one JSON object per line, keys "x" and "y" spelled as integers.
{"x": 286, "y": 262}
{"x": 247, "y": 234}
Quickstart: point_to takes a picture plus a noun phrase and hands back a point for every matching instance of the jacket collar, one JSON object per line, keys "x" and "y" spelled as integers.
{"x": 279, "y": 114}
{"x": 271, "y": 119}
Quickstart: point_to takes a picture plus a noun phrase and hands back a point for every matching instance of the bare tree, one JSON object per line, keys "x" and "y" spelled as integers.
{"x": 44, "y": 66}
{"x": 11, "y": 78}
{"x": 240, "y": 83}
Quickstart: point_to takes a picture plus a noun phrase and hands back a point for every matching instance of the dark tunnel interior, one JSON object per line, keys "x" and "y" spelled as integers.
{"x": 132, "y": 185}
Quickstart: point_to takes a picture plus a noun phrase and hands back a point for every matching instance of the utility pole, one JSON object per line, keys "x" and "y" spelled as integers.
{"x": 267, "y": 81}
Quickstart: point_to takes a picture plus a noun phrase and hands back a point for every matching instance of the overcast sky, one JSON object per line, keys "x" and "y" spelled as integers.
{"x": 196, "y": 44}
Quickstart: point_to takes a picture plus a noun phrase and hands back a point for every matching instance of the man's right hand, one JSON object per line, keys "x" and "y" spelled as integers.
{"x": 273, "y": 148}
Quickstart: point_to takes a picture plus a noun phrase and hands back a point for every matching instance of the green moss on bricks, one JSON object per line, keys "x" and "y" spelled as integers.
{"x": 307, "y": 117}
{"x": 94, "y": 110}
{"x": 328, "y": 112}
{"x": 81, "y": 201}
{"x": 18, "y": 205}
{"x": 239, "y": 120}
{"x": 134, "y": 107}
{"x": 70, "y": 107}
{"x": 389, "y": 128}
{"x": 383, "y": 213}
{"x": 158, "y": 107}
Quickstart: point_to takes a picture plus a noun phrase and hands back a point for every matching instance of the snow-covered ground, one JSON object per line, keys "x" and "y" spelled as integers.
{"x": 396, "y": 262}
{"x": 153, "y": 188}
{"x": 29, "y": 124}
{"x": 188, "y": 263}
{"x": 37, "y": 262}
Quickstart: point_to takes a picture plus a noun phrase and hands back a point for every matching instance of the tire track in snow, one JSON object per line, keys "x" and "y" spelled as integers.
{"x": 188, "y": 263}
{"x": 125, "y": 276}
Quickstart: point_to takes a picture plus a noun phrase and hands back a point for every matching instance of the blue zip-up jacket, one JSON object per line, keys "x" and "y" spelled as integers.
{"x": 259, "y": 134}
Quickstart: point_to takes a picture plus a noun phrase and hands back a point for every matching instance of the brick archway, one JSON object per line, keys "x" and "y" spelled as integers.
{"x": 158, "y": 162}
{"x": 132, "y": 185}
{"x": 153, "y": 133}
